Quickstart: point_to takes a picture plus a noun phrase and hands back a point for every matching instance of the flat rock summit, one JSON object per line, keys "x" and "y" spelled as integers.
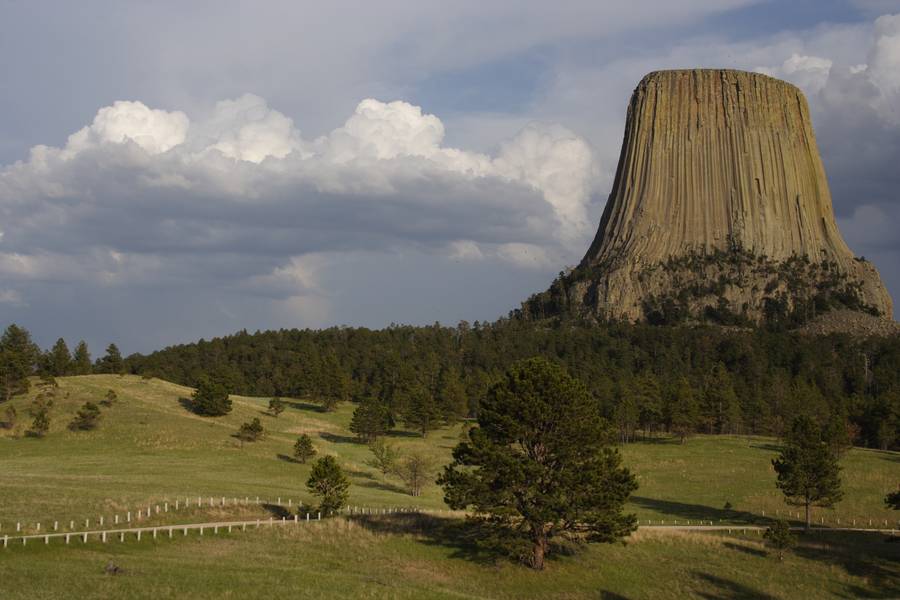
{"x": 720, "y": 211}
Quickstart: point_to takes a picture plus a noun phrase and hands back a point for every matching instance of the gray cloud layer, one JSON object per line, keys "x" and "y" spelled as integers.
{"x": 178, "y": 214}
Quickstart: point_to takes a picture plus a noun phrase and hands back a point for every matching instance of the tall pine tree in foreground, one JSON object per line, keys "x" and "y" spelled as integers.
{"x": 807, "y": 468}
{"x": 539, "y": 465}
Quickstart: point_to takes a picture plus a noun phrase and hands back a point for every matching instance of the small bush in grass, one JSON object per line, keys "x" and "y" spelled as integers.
{"x": 110, "y": 398}
{"x": 41, "y": 424}
{"x": 276, "y": 406}
{"x": 87, "y": 417}
{"x": 10, "y": 418}
{"x": 779, "y": 537}
{"x": 250, "y": 431}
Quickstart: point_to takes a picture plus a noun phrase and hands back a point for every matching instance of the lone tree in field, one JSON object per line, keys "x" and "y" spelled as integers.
{"x": 211, "y": 399}
{"x": 807, "y": 468}
{"x": 87, "y": 418}
{"x": 539, "y": 464}
{"x": 416, "y": 471}
{"x": 371, "y": 419}
{"x": 780, "y": 538}
{"x": 384, "y": 457}
{"x": 304, "y": 449}
{"x": 250, "y": 431}
{"x": 276, "y": 406}
{"x": 328, "y": 482}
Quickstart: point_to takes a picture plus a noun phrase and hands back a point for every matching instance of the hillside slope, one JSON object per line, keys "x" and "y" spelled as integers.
{"x": 149, "y": 448}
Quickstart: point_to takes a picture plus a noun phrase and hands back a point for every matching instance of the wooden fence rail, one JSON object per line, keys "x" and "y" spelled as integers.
{"x": 171, "y": 531}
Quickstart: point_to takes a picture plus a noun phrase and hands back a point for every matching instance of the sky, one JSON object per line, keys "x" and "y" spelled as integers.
{"x": 171, "y": 171}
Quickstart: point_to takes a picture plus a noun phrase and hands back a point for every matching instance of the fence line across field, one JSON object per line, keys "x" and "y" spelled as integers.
{"x": 165, "y": 507}
{"x": 170, "y": 531}
{"x": 224, "y": 501}
{"x": 104, "y": 535}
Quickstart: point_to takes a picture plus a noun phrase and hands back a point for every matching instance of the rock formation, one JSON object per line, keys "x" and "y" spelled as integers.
{"x": 720, "y": 210}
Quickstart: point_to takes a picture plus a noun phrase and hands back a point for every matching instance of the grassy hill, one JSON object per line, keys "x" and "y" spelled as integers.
{"x": 149, "y": 448}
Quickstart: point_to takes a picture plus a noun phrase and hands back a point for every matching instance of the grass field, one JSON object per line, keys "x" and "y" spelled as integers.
{"x": 149, "y": 449}
{"x": 383, "y": 558}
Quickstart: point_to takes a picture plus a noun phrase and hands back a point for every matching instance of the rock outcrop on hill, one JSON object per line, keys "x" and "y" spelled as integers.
{"x": 720, "y": 211}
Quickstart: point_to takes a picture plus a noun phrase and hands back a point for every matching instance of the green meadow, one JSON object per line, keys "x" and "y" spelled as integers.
{"x": 150, "y": 449}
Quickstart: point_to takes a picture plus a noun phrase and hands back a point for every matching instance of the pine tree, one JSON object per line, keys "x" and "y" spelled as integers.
{"x": 250, "y": 431}
{"x": 334, "y": 384}
{"x": 808, "y": 470}
{"x": 648, "y": 398}
{"x": 87, "y": 417}
{"x": 211, "y": 398}
{"x": 626, "y": 416}
{"x": 538, "y": 464}
{"x": 112, "y": 362}
{"x": 304, "y": 449}
{"x": 422, "y": 412}
{"x": 370, "y": 420}
{"x": 41, "y": 424}
{"x": 82, "y": 360}
{"x": 451, "y": 394}
{"x": 892, "y": 500}
{"x": 721, "y": 409}
{"x": 683, "y": 411}
{"x": 17, "y": 361}
{"x": 276, "y": 406}
{"x": 779, "y": 537}
{"x": 328, "y": 482}
{"x": 60, "y": 360}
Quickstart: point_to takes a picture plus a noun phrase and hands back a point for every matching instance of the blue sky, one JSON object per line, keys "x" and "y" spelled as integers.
{"x": 171, "y": 171}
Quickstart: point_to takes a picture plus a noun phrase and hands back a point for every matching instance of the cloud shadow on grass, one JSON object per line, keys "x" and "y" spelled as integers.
{"x": 861, "y": 554}
{"x": 338, "y": 439}
{"x": 726, "y": 588}
{"x": 696, "y": 512}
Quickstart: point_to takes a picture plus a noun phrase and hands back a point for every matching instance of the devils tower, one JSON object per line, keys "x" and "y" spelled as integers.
{"x": 720, "y": 211}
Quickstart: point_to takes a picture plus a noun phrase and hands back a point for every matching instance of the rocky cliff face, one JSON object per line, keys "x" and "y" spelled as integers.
{"x": 720, "y": 210}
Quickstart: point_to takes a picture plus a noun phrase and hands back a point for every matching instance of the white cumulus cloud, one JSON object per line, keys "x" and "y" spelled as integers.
{"x": 153, "y": 130}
